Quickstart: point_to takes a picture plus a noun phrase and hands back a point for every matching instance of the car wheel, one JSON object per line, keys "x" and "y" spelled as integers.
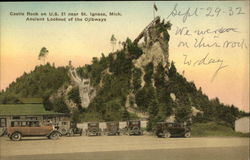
{"x": 94, "y": 132}
{"x": 136, "y": 130}
{"x": 16, "y": 136}
{"x": 54, "y": 135}
{"x": 167, "y": 134}
{"x": 187, "y": 134}
{"x": 81, "y": 132}
{"x": 159, "y": 136}
{"x": 63, "y": 131}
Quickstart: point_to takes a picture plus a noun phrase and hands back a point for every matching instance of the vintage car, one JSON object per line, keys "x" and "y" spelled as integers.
{"x": 134, "y": 127}
{"x": 93, "y": 129}
{"x": 166, "y": 130}
{"x": 112, "y": 128}
{"x": 63, "y": 127}
{"x": 28, "y": 128}
{"x": 73, "y": 130}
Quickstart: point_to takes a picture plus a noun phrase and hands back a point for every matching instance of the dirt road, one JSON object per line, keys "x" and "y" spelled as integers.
{"x": 128, "y": 147}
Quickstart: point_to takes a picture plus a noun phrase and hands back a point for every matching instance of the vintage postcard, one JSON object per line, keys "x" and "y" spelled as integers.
{"x": 124, "y": 80}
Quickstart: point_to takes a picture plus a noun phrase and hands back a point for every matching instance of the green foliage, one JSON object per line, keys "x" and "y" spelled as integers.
{"x": 74, "y": 95}
{"x": 149, "y": 70}
{"x": 145, "y": 97}
{"x": 137, "y": 79}
{"x": 214, "y": 129}
{"x": 110, "y": 99}
{"x": 9, "y": 99}
{"x": 43, "y": 53}
{"x": 82, "y": 72}
{"x": 47, "y": 104}
{"x": 163, "y": 27}
{"x": 60, "y": 106}
{"x": 41, "y": 82}
{"x": 125, "y": 115}
{"x": 172, "y": 70}
{"x": 75, "y": 116}
{"x": 182, "y": 113}
{"x": 120, "y": 65}
{"x": 90, "y": 117}
{"x": 159, "y": 77}
{"x": 133, "y": 50}
{"x": 95, "y": 71}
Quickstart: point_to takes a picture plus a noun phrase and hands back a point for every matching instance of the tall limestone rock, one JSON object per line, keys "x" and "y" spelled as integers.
{"x": 155, "y": 46}
{"x": 155, "y": 50}
{"x": 86, "y": 91}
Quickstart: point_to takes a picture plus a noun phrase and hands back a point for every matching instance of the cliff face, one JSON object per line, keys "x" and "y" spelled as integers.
{"x": 155, "y": 47}
{"x": 86, "y": 91}
{"x": 152, "y": 54}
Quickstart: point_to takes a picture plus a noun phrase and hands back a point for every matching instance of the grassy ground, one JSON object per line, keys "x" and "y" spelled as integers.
{"x": 214, "y": 129}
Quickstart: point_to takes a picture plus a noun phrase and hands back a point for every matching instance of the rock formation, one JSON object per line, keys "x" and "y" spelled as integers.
{"x": 86, "y": 91}
{"x": 155, "y": 46}
{"x": 155, "y": 50}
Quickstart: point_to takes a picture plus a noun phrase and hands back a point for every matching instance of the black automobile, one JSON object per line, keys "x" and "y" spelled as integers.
{"x": 74, "y": 130}
{"x": 166, "y": 130}
{"x": 93, "y": 129}
{"x": 134, "y": 127}
{"x": 112, "y": 128}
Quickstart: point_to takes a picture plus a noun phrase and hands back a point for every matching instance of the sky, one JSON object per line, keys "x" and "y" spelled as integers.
{"x": 79, "y": 41}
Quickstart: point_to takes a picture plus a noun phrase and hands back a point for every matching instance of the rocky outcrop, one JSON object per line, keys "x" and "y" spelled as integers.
{"x": 86, "y": 91}
{"x": 155, "y": 50}
{"x": 155, "y": 47}
{"x": 62, "y": 92}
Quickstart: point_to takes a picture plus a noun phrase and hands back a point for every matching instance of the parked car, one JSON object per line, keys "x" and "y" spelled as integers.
{"x": 112, "y": 128}
{"x": 165, "y": 129}
{"x": 134, "y": 127}
{"x": 93, "y": 129}
{"x": 63, "y": 127}
{"x": 28, "y": 128}
{"x": 73, "y": 130}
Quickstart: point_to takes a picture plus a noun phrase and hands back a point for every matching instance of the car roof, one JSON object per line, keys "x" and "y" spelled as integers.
{"x": 112, "y": 122}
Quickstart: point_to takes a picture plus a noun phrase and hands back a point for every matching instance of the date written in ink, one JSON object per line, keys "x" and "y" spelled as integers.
{"x": 207, "y": 12}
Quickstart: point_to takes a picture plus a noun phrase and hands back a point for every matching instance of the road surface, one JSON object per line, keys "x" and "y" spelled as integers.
{"x": 125, "y": 148}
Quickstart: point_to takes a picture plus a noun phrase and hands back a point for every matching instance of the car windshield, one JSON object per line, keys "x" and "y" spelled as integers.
{"x": 93, "y": 124}
{"x": 170, "y": 125}
{"x": 177, "y": 125}
{"x": 135, "y": 122}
